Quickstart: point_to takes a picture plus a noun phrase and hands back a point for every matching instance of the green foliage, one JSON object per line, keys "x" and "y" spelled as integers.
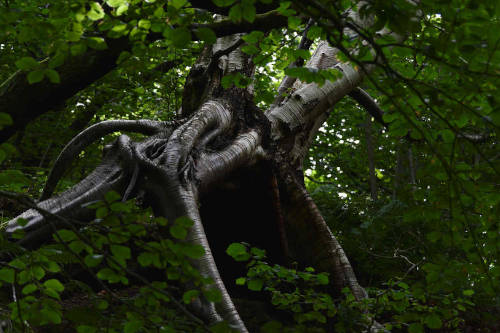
{"x": 436, "y": 229}
{"x": 301, "y": 293}
{"x": 121, "y": 242}
{"x": 304, "y": 294}
{"x": 309, "y": 75}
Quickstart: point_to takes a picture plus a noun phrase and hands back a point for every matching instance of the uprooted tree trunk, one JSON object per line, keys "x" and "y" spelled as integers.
{"x": 222, "y": 148}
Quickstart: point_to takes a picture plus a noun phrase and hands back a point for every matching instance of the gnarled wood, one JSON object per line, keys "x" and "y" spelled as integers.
{"x": 221, "y": 132}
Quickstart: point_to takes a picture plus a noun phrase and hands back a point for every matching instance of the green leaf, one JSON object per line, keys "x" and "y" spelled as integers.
{"x": 96, "y": 12}
{"x": 238, "y": 252}
{"x": 52, "y": 267}
{"x": 194, "y": 251}
{"x": 160, "y": 221}
{"x": 314, "y": 32}
{"x": 177, "y": 4}
{"x": 5, "y": 119}
{"x": 97, "y": 43}
{"x": 235, "y": 13}
{"x": 184, "y": 221}
{"x": 29, "y": 288}
{"x": 468, "y": 292}
{"x": 77, "y": 246}
{"x": 7, "y": 275}
{"x": 179, "y": 37}
{"x": 322, "y": 279}
{"x": 86, "y": 329}
{"x": 159, "y": 12}
{"x": 227, "y": 81}
{"x": 92, "y": 260}
{"x": 144, "y": 24}
{"x": 390, "y": 117}
{"x": 108, "y": 275}
{"x": 207, "y": 35}
{"x": 133, "y": 326}
{"x": 65, "y": 235}
{"x": 272, "y": 327}
{"x": 294, "y": 22}
{"x": 121, "y": 252}
{"x": 51, "y": 316}
{"x": 52, "y": 75}
{"x": 250, "y": 49}
{"x": 120, "y": 207}
{"x": 38, "y": 272}
{"x": 77, "y": 49}
{"x": 190, "y": 296}
{"x": 102, "y": 304}
{"x": 223, "y": 3}
{"x": 253, "y": 37}
{"x": 248, "y": 11}
{"x": 433, "y": 321}
{"x": 178, "y": 232}
{"x": 403, "y": 285}
{"x": 146, "y": 258}
{"x": 221, "y": 327}
{"x": 26, "y": 63}
{"x": 213, "y": 295}
{"x": 36, "y": 76}
{"x": 416, "y": 328}
{"x": 19, "y": 233}
{"x": 101, "y": 212}
{"x": 122, "y": 9}
{"x": 54, "y": 284}
{"x": 415, "y": 135}
{"x": 448, "y": 135}
{"x": 255, "y": 284}
{"x": 241, "y": 281}
{"x": 115, "y": 3}
{"x": 112, "y": 196}
{"x": 73, "y": 36}
{"x": 305, "y": 74}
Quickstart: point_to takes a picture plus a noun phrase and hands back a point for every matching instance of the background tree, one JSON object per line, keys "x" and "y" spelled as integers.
{"x": 234, "y": 109}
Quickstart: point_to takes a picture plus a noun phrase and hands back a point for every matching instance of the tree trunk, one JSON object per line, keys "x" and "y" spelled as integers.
{"x": 223, "y": 148}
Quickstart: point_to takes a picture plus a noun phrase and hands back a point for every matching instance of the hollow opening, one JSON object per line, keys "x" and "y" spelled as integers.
{"x": 240, "y": 209}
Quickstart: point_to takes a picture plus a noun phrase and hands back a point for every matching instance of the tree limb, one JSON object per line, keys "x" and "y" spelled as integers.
{"x": 370, "y": 105}
{"x": 263, "y": 22}
{"x": 288, "y": 81}
{"x": 75, "y": 74}
{"x": 80, "y": 71}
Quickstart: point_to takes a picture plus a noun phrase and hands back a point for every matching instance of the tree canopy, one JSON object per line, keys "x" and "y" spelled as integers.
{"x": 404, "y": 168}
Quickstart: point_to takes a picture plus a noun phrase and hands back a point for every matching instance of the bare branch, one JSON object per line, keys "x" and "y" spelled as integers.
{"x": 370, "y": 105}
{"x": 288, "y": 81}
{"x": 263, "y": 22}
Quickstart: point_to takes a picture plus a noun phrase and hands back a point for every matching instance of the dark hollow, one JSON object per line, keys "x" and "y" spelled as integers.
{"x": 240, "y": 209}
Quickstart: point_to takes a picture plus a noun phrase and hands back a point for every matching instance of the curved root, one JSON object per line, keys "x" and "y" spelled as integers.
{"x": 87, "y": 137}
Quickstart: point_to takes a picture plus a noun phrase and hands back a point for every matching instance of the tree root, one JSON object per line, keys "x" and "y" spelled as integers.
{"x": 184, "y": 194}
{"x": 87, "y": 137}
{"x": 318, "y": 245}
